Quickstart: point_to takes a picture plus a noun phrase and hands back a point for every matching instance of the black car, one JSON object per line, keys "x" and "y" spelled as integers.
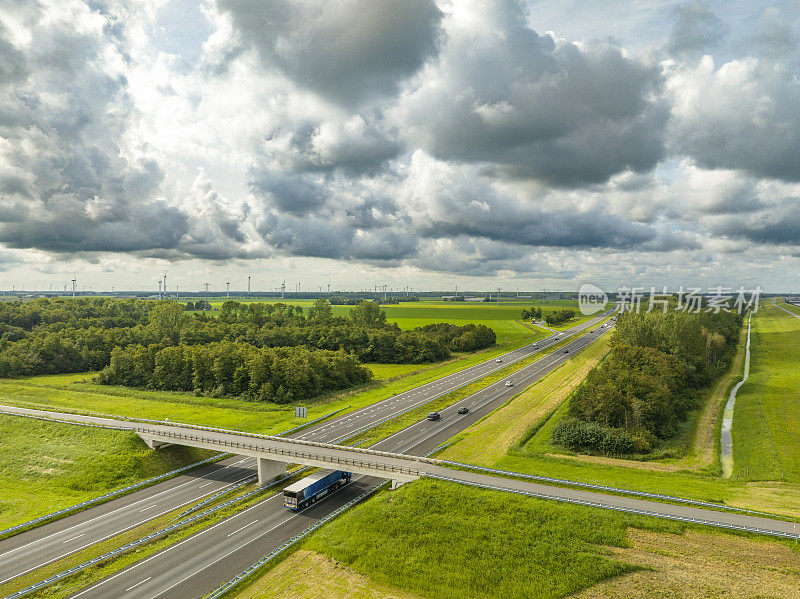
{"x": 434, "y": 416}
{"x": 463, "y": 410}
{"x": 566, "y": 350}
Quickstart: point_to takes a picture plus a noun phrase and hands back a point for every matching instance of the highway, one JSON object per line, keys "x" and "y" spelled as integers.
{"x": 42, "y": 545}
{"x": 221, "y": 551}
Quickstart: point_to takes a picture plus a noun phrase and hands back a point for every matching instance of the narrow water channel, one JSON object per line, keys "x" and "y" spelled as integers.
{"x": 727, "y": 416}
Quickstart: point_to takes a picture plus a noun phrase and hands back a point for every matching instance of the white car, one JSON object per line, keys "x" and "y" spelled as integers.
{"x": 509, "y": 384}
{"x": 535, "y": 346}
{"x": 499, "y": 360}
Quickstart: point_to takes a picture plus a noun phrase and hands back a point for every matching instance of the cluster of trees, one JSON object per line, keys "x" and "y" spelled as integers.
{"x": 278, "y": 375}
{"x": 198, "y": 305}
{"x": 643, "y": 391}
{"x": 54, "y": 336}
{"x": 75, "y": 313}
{"x": 559, "y": 316}
{"x": 533, "y": 313}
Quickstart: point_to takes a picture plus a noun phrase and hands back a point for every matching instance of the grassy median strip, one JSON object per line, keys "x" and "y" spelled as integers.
{"x": 488, "y": 440}
{"x": 395, "y": 425}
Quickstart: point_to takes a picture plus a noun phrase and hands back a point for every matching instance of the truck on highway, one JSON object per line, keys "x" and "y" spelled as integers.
{"x": 315, "y": 486}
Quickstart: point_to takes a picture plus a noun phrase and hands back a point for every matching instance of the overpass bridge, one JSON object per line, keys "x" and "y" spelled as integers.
{"x": 274, "y": 454}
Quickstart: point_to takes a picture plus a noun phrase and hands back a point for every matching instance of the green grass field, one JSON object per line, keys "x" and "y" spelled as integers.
{"x": 444, "y": 540}
{"x": 504, "y": 318}
{"x": 766, "y": 418}
{"x": 77, "y": 393}
{"x": 47, "y": 466}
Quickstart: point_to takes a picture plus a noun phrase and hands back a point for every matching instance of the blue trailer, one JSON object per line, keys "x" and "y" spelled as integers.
{"x": 307, "y": 490}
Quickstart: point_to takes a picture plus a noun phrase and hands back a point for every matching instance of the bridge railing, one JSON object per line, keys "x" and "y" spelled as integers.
{"x": 291, "y": 453}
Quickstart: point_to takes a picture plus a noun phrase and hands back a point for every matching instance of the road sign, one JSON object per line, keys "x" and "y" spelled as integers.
{"x": 301, "y": 412}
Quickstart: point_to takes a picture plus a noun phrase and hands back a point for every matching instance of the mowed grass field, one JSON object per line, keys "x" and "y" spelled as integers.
{"x": 442, "y": 540}
{"x": 766, "y": 417}
{"x": 48, "y": 466}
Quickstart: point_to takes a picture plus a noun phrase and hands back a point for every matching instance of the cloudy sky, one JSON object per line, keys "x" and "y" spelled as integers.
{"x": 481, "y": 143}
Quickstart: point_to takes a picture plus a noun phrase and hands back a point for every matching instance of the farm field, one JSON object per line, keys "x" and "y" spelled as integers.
{"x": 766, "y": 418}
{"x": 503, "y": 318}
{"x": 441, "y": 540}
{"x": 47, "y": 466}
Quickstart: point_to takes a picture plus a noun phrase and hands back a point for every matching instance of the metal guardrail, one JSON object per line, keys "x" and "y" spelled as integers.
{"x": 312, "y": 422}
{"x": 214, "y": 496}
{"x": 111, "y": 495}
{"x": 222, "y": 590}
{"x": 608, "y": 506}
{"x": 61, "y": 421}
{"x": 572, "y": 483}
{"x": 138, "y": 542}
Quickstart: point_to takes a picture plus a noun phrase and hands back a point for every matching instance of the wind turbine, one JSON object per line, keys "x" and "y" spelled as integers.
{"x": 227, "y": 289}
{"x": 283, "y": 288}
{"x": 74, "y": 280}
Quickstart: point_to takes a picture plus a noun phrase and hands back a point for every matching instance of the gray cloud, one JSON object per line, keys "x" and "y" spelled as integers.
{"x": 696, "y": 30}
{"x": 347, "y": 50}
{"x": 526, "y": 106}
{"x": 748, "y": 119}
{"x": 779, "y": 225}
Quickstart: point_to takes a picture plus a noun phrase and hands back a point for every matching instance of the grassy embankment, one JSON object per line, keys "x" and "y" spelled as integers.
{"x": 526, "y": 448}
{"x": 48, "y": 466}
{"x": 766, "y": 418}
{"x": 441, "y": 540}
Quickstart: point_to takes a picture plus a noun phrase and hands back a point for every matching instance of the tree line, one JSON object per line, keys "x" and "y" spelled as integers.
{"x": 642, "y": 393}
{"x": 60, "y": 336}
{"x": 278, "y": 375}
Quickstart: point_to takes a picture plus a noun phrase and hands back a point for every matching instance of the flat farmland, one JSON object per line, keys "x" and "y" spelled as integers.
{"x": 504, "y": 318}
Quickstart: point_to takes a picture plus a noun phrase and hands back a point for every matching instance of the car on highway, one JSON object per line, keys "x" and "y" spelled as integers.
{"x": 535, "y": 346}
{"x": 499, "y": 360}
{"x": 566, "y": 350}
{"x": 509, "y": 384}
{"x": 463, "y": 410}
{"x": 434, "y": 416}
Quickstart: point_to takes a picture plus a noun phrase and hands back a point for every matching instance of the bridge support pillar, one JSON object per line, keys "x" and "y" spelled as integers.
{"x": 153, "y": 444}
{"x": 269, "y": 469}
